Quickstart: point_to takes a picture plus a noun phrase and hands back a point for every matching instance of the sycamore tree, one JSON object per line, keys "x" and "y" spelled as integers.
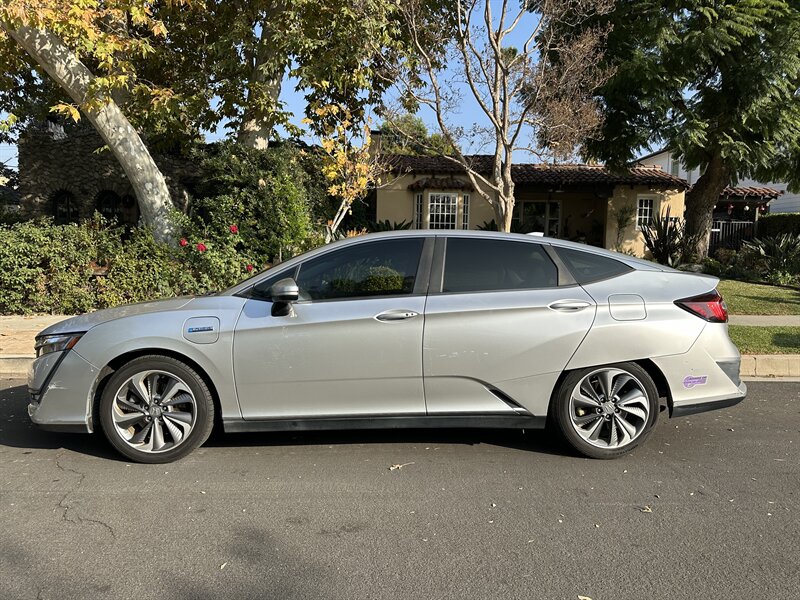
{"x": 173, "y": 69}
{"x": 61, "y": 40}
{"x": 530, "y": 80}
{"x": 716, "y": 82}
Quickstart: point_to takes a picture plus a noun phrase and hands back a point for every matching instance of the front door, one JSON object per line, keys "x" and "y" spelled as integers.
{"x": 352, "y": 344}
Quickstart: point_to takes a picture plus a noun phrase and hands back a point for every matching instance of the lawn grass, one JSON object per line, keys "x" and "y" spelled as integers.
{"x": 765, "y": 340}
{"x": 756, "y": 299}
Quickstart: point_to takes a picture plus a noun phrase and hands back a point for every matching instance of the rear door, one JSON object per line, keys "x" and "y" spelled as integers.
{"x": 499, "y": 329}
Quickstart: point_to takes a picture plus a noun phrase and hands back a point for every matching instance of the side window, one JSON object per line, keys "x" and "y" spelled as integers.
{"x": 383, "y": 268}
{"x": 484, "y": 265}
{"x": 587, "y": 267}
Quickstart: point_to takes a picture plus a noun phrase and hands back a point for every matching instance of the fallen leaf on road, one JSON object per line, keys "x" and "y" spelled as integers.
{"x": 398, "y": 467}
{"x": 584, "y": 598}
{"x": 223, "y": 565}
{"x": 646, "y": 509}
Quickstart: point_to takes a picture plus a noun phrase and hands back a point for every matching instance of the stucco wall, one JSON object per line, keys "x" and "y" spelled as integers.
{"x": 585, "y": 216}
{"x": 632, "y": 240}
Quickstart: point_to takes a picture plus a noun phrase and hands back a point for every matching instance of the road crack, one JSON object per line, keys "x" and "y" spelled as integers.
{"x": 70, "y": 514}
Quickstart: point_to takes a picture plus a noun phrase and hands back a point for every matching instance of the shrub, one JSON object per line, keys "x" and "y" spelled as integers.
{"x": 664, "y": 238}
{"x": 776, "y": 259}
{"x": 66, "y": 269}
{"x": 778, "y": 224}
{"x": 264, "y": 193}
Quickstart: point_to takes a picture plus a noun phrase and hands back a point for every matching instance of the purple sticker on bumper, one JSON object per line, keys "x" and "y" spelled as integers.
{"x": 690, "y": 380}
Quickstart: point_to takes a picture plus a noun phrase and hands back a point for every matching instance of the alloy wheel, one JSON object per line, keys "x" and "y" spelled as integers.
{"x": 609, "y": 408}
{"x": 154, "y": 411}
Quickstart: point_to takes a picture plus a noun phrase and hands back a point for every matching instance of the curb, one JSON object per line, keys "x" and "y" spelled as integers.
{"x": 13, "y": 367}
{"x": 770, "y": 365}
{"x": 753, "y": 365}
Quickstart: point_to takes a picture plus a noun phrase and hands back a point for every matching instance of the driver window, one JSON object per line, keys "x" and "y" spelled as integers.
{"x": 383, "y": 268}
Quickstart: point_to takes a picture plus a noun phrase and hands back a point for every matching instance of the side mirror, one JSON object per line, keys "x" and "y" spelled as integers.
{"x": 285, "y": 291}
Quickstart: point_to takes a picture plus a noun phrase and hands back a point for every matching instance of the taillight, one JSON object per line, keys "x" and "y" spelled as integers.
{"x": 710, "y": 307}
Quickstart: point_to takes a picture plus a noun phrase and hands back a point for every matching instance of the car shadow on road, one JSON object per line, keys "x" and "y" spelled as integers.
{"x": 17, "y": 431}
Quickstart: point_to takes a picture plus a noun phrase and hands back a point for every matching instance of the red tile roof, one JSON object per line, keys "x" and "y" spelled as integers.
{"x": 440, "y": 183}
{"x": 541, "y": 174}
{"x": 750, "y": 193}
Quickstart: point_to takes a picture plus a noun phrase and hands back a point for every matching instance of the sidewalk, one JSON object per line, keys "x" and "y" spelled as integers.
{"x": 17, "y": 335}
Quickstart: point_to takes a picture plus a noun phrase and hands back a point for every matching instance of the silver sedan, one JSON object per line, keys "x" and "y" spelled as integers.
{"x": 402, "y": 329}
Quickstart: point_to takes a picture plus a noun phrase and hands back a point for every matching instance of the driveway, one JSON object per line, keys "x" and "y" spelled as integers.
{"x": 707, "y": 509}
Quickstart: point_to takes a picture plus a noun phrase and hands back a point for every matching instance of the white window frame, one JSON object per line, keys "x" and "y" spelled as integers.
{"x": 645, "y": 214}
{"x": 438, "y": 218}
{"x": 465, "y": 211}
{"x": 419, "y": 211}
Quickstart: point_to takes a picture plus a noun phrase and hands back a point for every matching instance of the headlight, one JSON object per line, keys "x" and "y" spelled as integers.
{"x": 56, "y": 343}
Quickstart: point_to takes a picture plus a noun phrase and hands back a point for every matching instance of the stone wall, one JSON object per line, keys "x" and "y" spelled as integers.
{"x": 65, "y": 162}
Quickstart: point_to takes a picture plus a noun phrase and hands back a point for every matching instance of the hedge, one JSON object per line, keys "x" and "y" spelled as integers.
{"x": 778, "y": 223}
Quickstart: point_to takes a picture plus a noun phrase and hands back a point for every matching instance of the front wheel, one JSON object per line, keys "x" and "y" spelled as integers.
{"x": 605, "y": 412}
{"x": 156, "y": 409}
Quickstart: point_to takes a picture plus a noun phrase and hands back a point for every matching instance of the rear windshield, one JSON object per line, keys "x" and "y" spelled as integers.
{"x": 587, "y": 267}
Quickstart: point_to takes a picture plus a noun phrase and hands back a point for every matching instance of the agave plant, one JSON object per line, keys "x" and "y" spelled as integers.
{"x": 387, "y": 225}
{"x": 779, "y": 254}
{"x": 664, "y": 238}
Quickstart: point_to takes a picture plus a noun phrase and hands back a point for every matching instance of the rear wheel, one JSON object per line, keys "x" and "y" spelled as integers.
{"x": 156, "y": 409}
{"x": 605, "y": 412}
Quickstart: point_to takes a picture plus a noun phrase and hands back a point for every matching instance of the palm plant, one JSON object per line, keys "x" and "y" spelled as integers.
{"x": 664, "y": 238}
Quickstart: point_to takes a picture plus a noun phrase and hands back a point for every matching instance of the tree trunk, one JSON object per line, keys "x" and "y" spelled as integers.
{"x": 53, "y": 55}
{"x": 700, "y": 202}
{"x": 258, "y": 121}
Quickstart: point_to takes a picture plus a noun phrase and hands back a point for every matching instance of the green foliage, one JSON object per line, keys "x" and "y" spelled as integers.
{"x": 386, "y": 225}
{"x": 67, "y": 269}
{"x": 408, "y": 134}
{"x": 383, "y": 280}
{"x": 779, "y": 224}
{"x": 775, "y": 259}
{"x": 264, "y": 194}
{"x": 703, "y": 77}
{"x": 664, "y": 239}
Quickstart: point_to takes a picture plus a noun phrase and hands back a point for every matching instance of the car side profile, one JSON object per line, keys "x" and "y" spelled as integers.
{"x": 400, "y": 329}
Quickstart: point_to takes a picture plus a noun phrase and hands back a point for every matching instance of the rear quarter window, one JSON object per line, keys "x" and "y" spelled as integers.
{"x": 587, "y": 267}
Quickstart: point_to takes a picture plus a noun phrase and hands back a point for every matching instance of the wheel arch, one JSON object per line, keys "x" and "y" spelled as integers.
{"x": 650, "y": 368}
{"x": 119, "y": 361}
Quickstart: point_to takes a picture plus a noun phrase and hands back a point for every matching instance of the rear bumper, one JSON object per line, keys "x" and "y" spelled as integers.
{"x": 691, "y": 408}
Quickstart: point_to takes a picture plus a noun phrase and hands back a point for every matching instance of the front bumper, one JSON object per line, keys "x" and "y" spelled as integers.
{"x": 61, "y": 390}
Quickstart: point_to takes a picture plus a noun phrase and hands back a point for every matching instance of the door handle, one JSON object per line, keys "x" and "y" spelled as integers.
{"x": 398, "y": 314}
{"x": 569, "y": 305}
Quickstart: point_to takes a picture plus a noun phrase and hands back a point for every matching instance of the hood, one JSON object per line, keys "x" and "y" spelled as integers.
{"x": 85, "y": 322}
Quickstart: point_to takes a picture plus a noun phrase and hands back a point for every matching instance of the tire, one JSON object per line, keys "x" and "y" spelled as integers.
{"x": 596, "y": 427}
{"x": 156, "y": 409}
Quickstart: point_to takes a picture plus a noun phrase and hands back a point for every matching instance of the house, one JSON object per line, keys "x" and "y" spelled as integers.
{"x": 9, "y": 195}
{"x": 569, "y": 201}
{"x": 65, "y": 173}
{"x": 741, "y": 203}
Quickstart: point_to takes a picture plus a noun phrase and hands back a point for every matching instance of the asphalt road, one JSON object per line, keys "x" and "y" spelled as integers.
{"x": 707, "y": 509}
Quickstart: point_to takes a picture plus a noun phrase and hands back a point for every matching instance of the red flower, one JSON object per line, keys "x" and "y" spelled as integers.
{"x": 249, "y": 268}
{"x": 234, "y": 229}
{"x": 201, "y": 247}
{"x": 184, "y": 243}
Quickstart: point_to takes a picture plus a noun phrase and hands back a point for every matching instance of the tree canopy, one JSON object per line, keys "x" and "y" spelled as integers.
{"x": 715, "y": 81}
